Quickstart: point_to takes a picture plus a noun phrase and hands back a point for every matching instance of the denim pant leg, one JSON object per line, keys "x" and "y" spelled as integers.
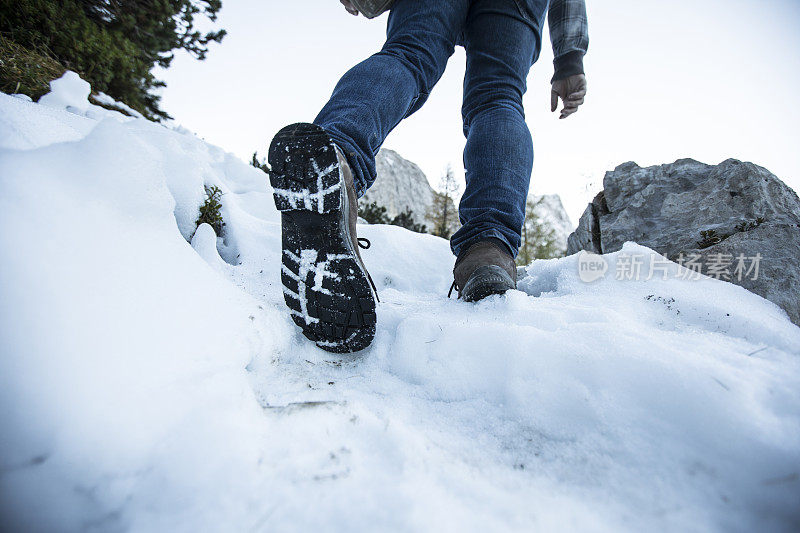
{"x": 502, "y": 40}
{"x": 375, "y": 95}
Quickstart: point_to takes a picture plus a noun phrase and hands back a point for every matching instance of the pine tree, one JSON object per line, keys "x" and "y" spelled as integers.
{"x": 112, "y": 44}
{"x": 406, "y": 220}
{"x": 538, "y": 237}
{"x": 373, "y": 213}
{"x": 442, "y": 212}
{"x": 211, "y": 210}
{"x": 258, "y": 163}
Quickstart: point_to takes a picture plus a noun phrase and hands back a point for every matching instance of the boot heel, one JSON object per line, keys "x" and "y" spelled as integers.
{"x": 304, "y": 170}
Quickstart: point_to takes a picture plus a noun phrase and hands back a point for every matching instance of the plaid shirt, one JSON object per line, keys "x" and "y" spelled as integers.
{"x": 569, "y": 33}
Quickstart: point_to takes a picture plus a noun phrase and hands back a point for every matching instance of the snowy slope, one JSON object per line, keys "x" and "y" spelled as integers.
{"x": 147, "y": 384}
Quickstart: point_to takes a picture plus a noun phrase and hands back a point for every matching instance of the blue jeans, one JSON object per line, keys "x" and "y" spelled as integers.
{"x": 502, "y": 39}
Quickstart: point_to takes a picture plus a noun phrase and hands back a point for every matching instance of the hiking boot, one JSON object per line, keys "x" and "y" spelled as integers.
{"x": 325, "y": 283}
{"x": 483, "y": 269}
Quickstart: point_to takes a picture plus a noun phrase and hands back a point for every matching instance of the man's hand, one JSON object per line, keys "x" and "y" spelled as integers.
{"x": 349, "y": 7}
{"x": 572, "y": 92}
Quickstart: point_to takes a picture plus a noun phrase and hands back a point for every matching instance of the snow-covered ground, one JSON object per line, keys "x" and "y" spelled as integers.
{"x": 149, "y": 384}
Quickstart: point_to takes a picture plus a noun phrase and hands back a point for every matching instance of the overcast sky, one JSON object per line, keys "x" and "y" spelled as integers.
{"x": 708, "y": 79}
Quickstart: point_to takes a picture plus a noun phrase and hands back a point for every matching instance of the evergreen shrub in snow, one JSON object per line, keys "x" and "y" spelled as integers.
{"x": 210, "y": 211}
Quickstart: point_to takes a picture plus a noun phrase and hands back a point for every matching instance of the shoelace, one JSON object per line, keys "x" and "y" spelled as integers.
{"x": 364, "y": 244}
{"x": 453, "y": 286}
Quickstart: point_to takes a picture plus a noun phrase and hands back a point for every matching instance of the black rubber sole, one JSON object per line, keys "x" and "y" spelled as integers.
{"x": 324, "y": 285}
{"x": 486, "y": 281}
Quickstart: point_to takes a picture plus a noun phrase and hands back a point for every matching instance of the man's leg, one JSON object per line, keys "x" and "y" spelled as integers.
{"x": 318, "y": 170}
{"x": 375, "y": 95}
{"x": 502, "y": 40}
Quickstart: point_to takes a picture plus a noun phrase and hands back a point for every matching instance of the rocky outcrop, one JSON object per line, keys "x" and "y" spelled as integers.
{"x": 688, "y": 209}
{"x": 400, "y": 184}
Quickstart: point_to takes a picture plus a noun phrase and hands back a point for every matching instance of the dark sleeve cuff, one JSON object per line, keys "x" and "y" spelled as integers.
{"x": 568, "y": 65}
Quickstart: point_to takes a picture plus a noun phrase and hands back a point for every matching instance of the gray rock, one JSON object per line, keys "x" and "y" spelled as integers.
{"x": 667, "y": 207}
{"x": 400, "y": 184}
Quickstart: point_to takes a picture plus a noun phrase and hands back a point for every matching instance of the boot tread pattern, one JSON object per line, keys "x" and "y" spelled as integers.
{"x": 328, "y": 294}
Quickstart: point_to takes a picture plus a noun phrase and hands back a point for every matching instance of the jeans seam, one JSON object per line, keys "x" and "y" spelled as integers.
{"x": 523, "y": 10}
{"x": 410, "y": 107}
{"x": 410, "y": 111}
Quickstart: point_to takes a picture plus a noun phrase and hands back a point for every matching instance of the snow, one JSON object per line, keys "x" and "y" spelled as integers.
{"x": 69, "y": 92}
{"x": 311, "y": 201}
{"x": 104, "y": 99}
{"x": 149, "y": 384}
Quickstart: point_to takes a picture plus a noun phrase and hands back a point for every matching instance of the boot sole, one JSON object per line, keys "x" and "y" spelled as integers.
{"x": 325, "y": 286}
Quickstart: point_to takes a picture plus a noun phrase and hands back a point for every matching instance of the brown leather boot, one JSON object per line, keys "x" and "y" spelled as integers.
{"x": 325, "y": 283}
{"x": 483, "y": 269}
